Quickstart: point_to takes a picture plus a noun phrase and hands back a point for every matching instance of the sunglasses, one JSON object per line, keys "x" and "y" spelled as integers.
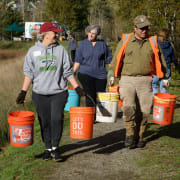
{"x": 144, "y": 28}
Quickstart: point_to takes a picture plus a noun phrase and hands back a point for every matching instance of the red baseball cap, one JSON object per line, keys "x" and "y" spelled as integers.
{"x": 49, "y": 26}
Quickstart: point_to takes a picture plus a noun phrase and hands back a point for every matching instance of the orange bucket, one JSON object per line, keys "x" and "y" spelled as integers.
{"x": 70, "y": 88}
{"x": 163, "y": 109}
{"x": 21, "y": 125}
{"x": 115, "y": 89}
{"x": 81, "y": 122}
{"x": 120, "y": 103}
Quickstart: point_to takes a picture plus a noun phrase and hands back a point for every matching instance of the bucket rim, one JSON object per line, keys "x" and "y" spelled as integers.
{"x": 19, "y": 113}
{"x": 108, "y": 93}
{"x": 19, "y": 116}
{"x": 107, "y": 96}
{"x": 70, "y": 88}
{"x": 81, "y": 109}
{"x": 164, "y": 96}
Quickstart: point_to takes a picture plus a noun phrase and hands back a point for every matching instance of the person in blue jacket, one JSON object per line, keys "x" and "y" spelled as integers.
{"x": 91, "y": 58}
{"x": 169, "y": 56}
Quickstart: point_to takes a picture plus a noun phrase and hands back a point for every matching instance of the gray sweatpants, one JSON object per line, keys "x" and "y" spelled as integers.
{"x": 136, "y": 93}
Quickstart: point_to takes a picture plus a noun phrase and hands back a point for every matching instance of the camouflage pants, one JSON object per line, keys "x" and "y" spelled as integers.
{"x": 136, "y": 93}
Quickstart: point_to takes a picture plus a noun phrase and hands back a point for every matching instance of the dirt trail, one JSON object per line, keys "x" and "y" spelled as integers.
{"x": 103, "y": 157}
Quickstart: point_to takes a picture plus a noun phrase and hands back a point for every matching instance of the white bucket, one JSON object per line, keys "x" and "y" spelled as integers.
{"x": 107, "y": 107}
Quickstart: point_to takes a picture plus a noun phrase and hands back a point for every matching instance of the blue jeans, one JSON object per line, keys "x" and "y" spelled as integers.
{"x": 157, "y": 80}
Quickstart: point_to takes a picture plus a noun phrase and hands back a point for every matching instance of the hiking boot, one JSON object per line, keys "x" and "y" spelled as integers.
{"x": 47, "y": 155}
{"x": 141, "y": 144}
{"x": 56, "y": 155}
{"x": 129, "y": 142}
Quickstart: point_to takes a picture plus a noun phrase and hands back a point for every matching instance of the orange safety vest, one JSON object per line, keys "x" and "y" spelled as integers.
{"x": 120, "y": 55}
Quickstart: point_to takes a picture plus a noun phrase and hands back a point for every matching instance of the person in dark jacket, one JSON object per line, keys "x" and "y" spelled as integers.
{"x": 72, "y": 46}
{"x": 169, "y": 56}
{"x": 91, "y": 58}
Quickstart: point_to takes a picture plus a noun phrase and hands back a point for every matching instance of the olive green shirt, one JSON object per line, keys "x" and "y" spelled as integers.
{"x": 138, "y": 59}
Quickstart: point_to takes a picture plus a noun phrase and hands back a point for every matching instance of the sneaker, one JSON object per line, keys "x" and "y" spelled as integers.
{"x": 47, "y": 155}
{"x": 130, "y": 142}
{"x": 56, "y": 155}
{"x": 141, "y": 144}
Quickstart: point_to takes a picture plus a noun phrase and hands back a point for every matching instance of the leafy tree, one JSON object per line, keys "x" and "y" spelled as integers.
{"x": 71, "y": 13}
{"x": 8, "y": 16}
{"x": 162, "y": 14}
{"x": 100, "y": 13}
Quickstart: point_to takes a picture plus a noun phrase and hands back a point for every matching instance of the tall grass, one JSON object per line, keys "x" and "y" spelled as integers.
{"x": 6, "y": 54}
{"x": 15, "y": 45}
{"x": 11, "y": 77}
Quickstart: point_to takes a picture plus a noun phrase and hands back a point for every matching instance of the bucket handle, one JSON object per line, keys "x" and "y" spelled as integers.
{"x": 87, "y": 95}
{"x": 98, "y": 104}
{"x": 15, "y": 105}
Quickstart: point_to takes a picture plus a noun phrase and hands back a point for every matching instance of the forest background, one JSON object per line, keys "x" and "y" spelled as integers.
{"x": 114, "y": 16}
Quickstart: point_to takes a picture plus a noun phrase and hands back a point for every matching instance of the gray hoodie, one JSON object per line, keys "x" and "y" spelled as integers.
{"x": 49, "y": 68}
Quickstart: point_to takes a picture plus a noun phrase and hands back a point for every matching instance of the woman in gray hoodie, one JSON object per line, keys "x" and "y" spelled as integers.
{"x": 48, "y": 69}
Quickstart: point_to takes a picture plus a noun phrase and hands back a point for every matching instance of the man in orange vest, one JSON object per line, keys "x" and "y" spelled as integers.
{"x": 137, "y": 58}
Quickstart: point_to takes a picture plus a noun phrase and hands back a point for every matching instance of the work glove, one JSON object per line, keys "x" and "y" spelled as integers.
{"x": 21, "y": 97}
{"x": 165, "y": 83}
{"x": 80, "y": 91}
{"x": 111, "y": 81}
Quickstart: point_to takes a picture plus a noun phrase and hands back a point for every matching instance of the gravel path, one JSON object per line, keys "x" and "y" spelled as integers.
{"x": 103, "y": 157}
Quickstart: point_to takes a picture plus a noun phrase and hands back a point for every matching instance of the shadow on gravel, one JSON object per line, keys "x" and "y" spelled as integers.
{"x": 107, "y": 144}
{"x": 170, "y": 130}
